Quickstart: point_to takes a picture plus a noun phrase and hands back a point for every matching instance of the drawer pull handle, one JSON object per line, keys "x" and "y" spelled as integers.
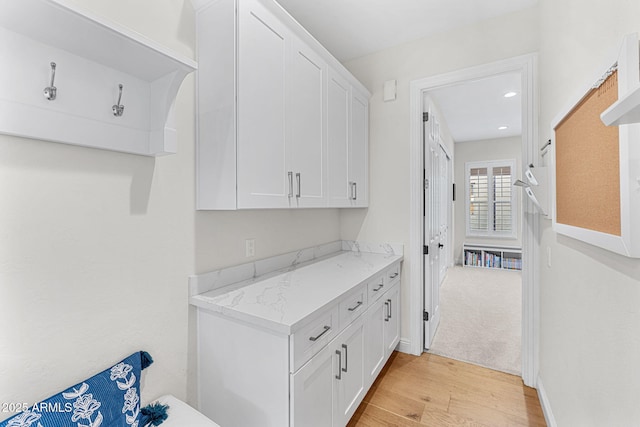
{"x": 389, "y": 301}
{"x": 386, "y": 315}
{"x": 355, "y": 307}
{"x": 339, "y": 376}
{"x": 393, "y": 276}
{"x": 326, "y": 329}
{"x": 346, "y": 357}
{"x": 380, "y": 286}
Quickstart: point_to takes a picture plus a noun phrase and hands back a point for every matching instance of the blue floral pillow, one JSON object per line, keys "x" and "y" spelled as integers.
{"x": 108, "y": 399}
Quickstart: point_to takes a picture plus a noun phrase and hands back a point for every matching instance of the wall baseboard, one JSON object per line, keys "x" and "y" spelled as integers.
{"x": 546, "y": 406}
{"x": 404, "y": 346}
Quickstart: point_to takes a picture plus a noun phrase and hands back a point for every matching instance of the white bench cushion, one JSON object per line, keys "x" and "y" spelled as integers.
{"x": 182, "y": 415}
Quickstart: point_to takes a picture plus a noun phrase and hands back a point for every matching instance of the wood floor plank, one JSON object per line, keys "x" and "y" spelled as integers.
{"x": 435, "y": 391}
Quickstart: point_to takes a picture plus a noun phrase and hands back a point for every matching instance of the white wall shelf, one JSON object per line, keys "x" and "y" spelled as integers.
{"x": 93, "y": 56}
{"x": 624, "y": 111}
{"x": 489, "y": 256}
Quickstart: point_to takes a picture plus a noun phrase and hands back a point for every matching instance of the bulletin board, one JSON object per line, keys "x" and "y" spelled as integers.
{"x": 596, "y": 173}
{"x": 588, "y": 163}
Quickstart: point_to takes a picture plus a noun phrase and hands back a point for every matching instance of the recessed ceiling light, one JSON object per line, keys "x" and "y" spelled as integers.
{"x": 510, "y": 94}
{"x": 502, "y": 128}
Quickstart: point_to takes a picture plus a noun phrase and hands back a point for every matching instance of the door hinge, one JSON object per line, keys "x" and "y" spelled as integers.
{"x": 426, "y": 183}
{"x": 425, "y": 316}
{"x": 425, "y": 117}
{"x": 425, "y": 250}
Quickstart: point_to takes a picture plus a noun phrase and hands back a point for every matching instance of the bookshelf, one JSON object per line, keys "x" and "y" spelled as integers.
{"x": 489, "y": 256}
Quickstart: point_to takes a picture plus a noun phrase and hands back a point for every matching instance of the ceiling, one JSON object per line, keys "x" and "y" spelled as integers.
{"x": 354, "y": 28}
{"x": 475, "y": 110}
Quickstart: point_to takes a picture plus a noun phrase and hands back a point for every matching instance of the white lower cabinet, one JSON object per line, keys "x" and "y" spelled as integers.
{"x": 349, "y": 381}
{"x": 391, "y": 325}
{"x": 318, "y": 375}
{"x": 328, "y": 389}
{"x": 312, "y": 391}
{"x": 382, "y": 331}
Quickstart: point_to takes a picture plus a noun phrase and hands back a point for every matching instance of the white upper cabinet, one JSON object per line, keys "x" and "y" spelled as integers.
{"x": 338, "y": 101}
{"x": 359, "y": 151}
{"x": 266, "y": 113}
{"x": 308, "y": 127}
{"x": 262, "y": 103}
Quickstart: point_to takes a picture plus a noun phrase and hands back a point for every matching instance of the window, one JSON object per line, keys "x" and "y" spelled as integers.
{"x": 490, "y": 198}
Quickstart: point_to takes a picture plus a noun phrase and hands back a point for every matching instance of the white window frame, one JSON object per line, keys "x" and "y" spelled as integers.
{"x": 514, "y": 207}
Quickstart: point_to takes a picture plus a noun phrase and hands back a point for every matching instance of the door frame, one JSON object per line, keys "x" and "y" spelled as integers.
{"x": 526, "y": 65}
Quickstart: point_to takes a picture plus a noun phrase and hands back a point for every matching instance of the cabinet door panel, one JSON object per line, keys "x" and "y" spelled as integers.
{"x": 307, "y": 125}
{"x": 338, "y": 141}
{"x": 358, "y": 150}
{"x": 312, "y": 391}
{"x": 350, "y": 388}
{"x": 375, "y": 345}
{"x": 262, "y": 60}
{"x": 392, "y": 319}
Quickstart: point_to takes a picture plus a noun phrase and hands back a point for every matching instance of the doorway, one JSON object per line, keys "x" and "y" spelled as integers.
{"x": 526, "y": 67}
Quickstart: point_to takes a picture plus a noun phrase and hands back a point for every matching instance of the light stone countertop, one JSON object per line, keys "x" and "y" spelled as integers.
{"x": 282, "y": 302}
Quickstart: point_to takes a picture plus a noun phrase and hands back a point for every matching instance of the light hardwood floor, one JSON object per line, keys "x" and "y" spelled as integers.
{"x": 431, "y": 390}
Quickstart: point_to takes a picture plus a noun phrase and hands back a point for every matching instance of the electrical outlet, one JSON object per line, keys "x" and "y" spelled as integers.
{"x": 250, "y": 247}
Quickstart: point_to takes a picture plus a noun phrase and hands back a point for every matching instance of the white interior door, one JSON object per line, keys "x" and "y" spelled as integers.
{"x": 445, "y": 212}
{"x": 431, "y": 230}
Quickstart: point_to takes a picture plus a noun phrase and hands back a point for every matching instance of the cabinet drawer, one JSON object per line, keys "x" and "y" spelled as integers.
{"x": 377, "y": 286}
{"x": 392, "y": 274}
{"x": 313, "y": 337}
{"x": 353, "y": 305}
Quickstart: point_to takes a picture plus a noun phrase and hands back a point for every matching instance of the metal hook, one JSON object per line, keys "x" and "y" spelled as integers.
{"x": 51, "y": 91}
{"x": 118, "y": 109}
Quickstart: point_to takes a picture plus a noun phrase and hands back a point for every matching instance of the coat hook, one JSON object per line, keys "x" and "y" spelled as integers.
{"x": 51, "y": 91}
{"x": 118, "y": 109}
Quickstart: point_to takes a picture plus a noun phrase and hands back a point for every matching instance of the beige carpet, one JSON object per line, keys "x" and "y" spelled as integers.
{"x": 480, "y": 320}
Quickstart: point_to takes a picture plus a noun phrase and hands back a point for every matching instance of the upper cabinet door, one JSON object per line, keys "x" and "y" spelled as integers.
{"x": 262, "y": 150}
{"x": 307, "y": 124}
{"x": 338, "y": 95}
{"x": 359, "y": 151}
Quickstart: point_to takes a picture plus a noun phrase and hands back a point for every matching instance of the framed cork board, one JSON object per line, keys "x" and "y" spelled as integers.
{"x": 596, "y": 192}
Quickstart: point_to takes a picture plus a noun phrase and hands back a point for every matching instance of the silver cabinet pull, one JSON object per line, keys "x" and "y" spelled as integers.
{"x": 355, "y": 191}
{"x": 393, "y": 276}
{"x": 380, "y": 286}
{"x": 298, "y": 182}
{"x": 389, "y": 301}
{"x": 355, "y": 307}
{"x": 346, "y": 357}
{"x": 326, "y": 329}
{"x": 290, "y": 175}
{"x": 386, "y": 315}
{"x": 339, "y": 376}
{"x": 351, "y": 196}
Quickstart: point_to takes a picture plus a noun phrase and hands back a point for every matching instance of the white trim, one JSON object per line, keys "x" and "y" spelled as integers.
{"x": 526, "y": 65}
{"x": 546, "y": 406}
{"x": 404, "y": 346}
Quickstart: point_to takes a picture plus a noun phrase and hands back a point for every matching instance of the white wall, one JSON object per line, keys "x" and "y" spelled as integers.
{"x": 485, "y": 150}
{"x": 387, "y": 218}
{"x": 589, "y": 298}
{"x": 96, "y": 246}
